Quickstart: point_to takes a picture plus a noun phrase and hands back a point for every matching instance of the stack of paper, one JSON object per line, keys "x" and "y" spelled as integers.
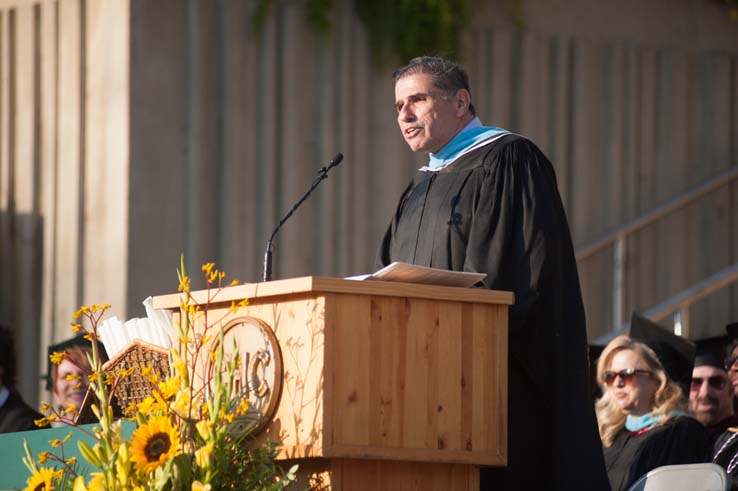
{"x": 155, "y": 329}
{"x": 412, "y": 273}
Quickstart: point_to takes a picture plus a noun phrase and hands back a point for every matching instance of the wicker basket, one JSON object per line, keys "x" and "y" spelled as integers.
{"x": 134, "y": 388}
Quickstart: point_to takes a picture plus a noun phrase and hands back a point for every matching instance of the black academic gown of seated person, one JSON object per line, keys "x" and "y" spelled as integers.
{"x": 497, "y": 210}
{"x": 725, "y": 454}
{"x": 681, "y": 440}
{"x": 16, "y": 415}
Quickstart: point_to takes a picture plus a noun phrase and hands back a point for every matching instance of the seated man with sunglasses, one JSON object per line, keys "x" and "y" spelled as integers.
{"x": 711, "y": 394}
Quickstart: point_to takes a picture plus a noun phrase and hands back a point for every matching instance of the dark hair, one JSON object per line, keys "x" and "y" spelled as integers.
{"x": 447, "y": 76}
{"x": 7, "y": 356}
{"x": 729, "y": 351}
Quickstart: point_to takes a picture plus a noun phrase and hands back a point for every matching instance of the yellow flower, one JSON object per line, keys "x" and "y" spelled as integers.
{"x": 184, "y": 284}
{"x": 72, "y": 376}
{"x": 42, "y": 422}
{"x": 198, "y": 486}
{"x": 233, "y": 283}
{"x": 43, "y": 479}
{"x": 153, "y": 404}
{"x": 149, "y": 374}
{"x": 203, "y": 428}
{"x": 207, "y": 267}
{"x": 56, "y": 357}
{"x": 43, "y": 457}
{"x": 79, "y": 484}
{"x": 243, "y": 407}
{"x": 88, "y": 336}
{"x": 180, "y": 367}
{"x": 202, "y": 455}
{"x": 181, "y": 403}
{"x": 96, "y": 483}
{"x": 154, "y": 443}
{"x": 169, "y": 387}
{"x": 131, "y": 409}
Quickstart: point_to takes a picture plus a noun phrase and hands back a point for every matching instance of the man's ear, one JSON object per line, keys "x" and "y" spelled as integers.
{"x": 462, "y": 100}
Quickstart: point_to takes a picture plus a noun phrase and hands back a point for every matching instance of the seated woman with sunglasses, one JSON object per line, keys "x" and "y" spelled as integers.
{"x": 641, "y": 415}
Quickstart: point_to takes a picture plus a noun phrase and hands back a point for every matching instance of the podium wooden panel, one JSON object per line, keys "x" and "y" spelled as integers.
{"x": 385, "y": 385}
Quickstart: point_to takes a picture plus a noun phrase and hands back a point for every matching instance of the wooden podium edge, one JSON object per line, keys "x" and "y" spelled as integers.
{"x": 321, "y": 284}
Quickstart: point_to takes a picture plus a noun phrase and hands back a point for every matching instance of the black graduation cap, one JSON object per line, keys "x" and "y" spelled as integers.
{"x": 710, "y": 352}
{"x": 675, "y": 353}
{"x": 732, "y": 331}
{"x": 62, "y": 346}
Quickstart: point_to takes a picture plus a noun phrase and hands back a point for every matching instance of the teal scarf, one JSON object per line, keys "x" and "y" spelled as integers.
{"x": 473, "y": 135}
{"x": 648, "y": 420}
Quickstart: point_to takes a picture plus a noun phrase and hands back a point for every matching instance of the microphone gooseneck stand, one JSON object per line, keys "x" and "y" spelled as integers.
{"x": 322, "y": 174}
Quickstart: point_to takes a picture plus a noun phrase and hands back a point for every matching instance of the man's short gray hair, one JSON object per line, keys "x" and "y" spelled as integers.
{"x": 447, "y": 76}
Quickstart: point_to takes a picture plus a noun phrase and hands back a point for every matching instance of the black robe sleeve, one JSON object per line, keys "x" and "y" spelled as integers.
{"x": 682, "y": 441}
{"x": 498, "y": 211}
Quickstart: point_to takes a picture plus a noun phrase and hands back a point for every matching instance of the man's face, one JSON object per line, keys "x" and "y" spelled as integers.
{"x": 428, "y": 118}
{"x": 710, "y": 395}
{"x": 70, "y": 391}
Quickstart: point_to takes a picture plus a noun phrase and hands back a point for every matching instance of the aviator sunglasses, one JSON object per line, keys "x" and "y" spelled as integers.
{"x": 716, "y": 382}
{"x": 626, "y": 375}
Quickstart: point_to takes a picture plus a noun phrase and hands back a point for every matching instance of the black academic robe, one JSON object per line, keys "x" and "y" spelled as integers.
{"x": 16, "y": 415}
{"x": 497, "y": 210}
{"x": 725, "y": 454}
{"x": 681, "y": 440}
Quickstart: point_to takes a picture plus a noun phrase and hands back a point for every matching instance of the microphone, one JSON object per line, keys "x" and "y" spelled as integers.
{"x": 322, "y": 174}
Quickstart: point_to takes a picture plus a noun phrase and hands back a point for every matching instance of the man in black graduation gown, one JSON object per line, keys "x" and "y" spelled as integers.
{"x": 488, "y": 202}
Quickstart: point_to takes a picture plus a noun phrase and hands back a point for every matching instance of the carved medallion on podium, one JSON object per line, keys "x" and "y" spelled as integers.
{"x": 261, "y": 370}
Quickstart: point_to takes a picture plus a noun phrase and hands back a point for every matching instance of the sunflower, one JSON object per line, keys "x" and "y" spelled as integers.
{"x": 42, "y": 479}
{"x": 154, "y": 443}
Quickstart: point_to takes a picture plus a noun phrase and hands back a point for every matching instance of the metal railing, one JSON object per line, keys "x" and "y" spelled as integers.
{"x": 617, "y": 238}
{"x": 678, "y": 305}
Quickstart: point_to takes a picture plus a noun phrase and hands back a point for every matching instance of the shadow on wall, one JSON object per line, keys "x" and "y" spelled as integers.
{"x": 21, "y": 289}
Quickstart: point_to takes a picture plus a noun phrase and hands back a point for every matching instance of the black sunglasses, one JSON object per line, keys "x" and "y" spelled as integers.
{"x": 626, "y": 375}
{"x": 716, "y": 382}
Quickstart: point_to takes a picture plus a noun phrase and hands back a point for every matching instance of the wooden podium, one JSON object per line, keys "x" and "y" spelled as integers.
{"x": 390, "y": 386}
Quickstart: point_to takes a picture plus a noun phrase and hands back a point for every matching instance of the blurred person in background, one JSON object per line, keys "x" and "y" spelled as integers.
{"x": 69, "y": 380}
{"x": 15, "y": 414}
{"x": 711, "y": 397}
{"x": 731, "y": 355}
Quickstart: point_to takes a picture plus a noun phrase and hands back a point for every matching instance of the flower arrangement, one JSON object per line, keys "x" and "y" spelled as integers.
{"x": 185, "y": 438}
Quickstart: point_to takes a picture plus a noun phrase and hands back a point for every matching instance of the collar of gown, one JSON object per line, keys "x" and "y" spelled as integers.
{"x": 648, "y": 420}
{"x": 473, "y": 136}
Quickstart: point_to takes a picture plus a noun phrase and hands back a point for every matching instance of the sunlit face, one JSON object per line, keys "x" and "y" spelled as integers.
{"x": 66, "y": 391}
{"x": 637, "y": 395}
{"x": 428, "y": 117}
{"x": 710, "y": 395}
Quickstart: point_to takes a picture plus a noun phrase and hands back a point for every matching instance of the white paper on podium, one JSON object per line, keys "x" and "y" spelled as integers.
{"x": 412, "y": 273}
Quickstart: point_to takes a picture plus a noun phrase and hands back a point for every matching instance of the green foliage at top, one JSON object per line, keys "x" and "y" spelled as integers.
{"x": 409, "y": 28}
{"x": 398, "y": 29}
